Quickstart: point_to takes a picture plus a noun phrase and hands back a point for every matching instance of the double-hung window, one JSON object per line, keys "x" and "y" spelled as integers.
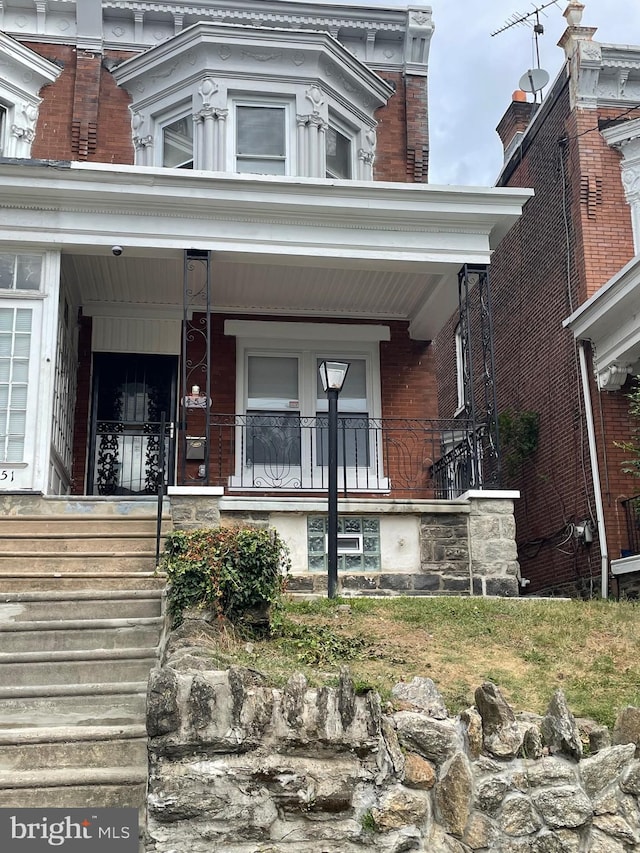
{"x": 282, "y": 427}
{"x": 177, "y": 144}
{"x": 353, "y": 418}
{"x": 19, "y": 322}
{"x": 339, "y": 154}
{"x": 273, "y": 441}
{"x": 261, "y": 138}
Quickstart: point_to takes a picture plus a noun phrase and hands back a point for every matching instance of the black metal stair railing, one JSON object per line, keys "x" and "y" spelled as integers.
{"x": 286, "y": 451}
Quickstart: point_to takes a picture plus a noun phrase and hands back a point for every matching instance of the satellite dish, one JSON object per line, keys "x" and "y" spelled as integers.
{"x": 534, "y": 80}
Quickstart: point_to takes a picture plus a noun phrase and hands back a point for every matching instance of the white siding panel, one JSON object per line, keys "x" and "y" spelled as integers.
{"x": 129, "y": 334}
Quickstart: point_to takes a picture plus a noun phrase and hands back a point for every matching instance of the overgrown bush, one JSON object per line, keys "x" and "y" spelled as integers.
{"x": 225, "y": 569}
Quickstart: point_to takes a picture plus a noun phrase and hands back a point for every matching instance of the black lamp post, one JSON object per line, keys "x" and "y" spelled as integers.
{"x": 333, "y": 374}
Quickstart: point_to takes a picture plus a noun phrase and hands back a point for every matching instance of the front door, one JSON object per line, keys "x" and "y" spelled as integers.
{"x": 131, "y": 393}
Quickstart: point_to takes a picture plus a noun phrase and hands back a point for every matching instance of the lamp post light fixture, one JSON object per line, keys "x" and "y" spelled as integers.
{"x": 332, "y": 375}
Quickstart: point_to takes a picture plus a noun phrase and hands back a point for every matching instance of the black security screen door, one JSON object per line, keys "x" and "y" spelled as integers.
{"x": 130, "y": 394}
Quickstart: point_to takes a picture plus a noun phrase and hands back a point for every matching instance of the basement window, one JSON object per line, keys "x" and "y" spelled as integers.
{"x": 358, "y": 543}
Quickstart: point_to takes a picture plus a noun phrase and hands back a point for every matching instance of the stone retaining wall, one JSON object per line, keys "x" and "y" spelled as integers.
{"x": 241, "y": 767}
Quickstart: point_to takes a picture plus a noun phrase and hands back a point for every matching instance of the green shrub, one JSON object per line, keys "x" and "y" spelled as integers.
{"x": 224, "y": 569}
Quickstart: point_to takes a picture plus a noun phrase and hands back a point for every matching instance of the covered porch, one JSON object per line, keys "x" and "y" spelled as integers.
{"x": 183, "y": 316}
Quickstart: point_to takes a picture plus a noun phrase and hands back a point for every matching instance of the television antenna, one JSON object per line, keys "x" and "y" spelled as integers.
{"x": 525, "y": 20}
{"x": 535, "y": 79}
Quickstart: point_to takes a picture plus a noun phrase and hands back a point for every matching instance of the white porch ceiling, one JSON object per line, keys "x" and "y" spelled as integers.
{"x": 114, "y": 285}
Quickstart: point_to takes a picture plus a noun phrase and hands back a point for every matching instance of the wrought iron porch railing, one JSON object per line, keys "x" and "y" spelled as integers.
{"x": 632, "y": 515}
{"x": 284, "y": 451}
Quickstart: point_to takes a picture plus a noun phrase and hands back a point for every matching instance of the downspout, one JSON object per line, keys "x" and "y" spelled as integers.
{"x": 595, "y": 472}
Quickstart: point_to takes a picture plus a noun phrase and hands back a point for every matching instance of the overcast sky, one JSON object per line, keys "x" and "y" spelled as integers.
{"x": 472, "y": 75}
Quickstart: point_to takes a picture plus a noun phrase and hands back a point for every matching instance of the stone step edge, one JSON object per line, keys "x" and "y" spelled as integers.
{"x": 115, "y": 688}
{"x": 81, "y": 595}
{"x": 75, "y": 655}
{"x": 73, "y": 776}
{"x": 79, "y": 575}
{"x": 56, "y": 537}
{"x": 80, "y": 624}
{"x": 74, "y": 555}
{"x": 85, "y": 516}
{"x": 70, "y": 734}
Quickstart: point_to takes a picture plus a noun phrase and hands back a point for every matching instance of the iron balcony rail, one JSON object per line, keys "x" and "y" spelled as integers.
{"x": 632, "y": 514}
{"x": 269, "y": 451}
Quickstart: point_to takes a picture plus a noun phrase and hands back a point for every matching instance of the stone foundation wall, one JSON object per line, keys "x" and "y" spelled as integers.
{"x": 464, "y": 547}
{"x": 241, "y": 767}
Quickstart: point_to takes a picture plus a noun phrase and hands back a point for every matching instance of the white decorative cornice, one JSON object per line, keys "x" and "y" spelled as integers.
{"x": 385, "y": 37}
{"x": 185, "y": 63}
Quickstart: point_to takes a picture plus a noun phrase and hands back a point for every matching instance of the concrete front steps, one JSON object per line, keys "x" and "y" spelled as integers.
{"x": 73, "y": 676}
{"x": 53, "y": 543}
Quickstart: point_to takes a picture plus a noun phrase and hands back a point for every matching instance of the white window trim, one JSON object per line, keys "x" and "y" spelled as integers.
{"x": 310, "y": 342}
{"x": 182, "y": 110}
{"x": 287, "y": 104}
{"x": 4, "y": 122}
{"x": 337, "y": 123}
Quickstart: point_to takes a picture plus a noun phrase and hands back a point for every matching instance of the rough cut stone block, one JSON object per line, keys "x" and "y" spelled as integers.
{"x": 401, "y": 807}
{"x": 627, "y": 727}
{"x": 359, "y": 582}
{"x": 418, "y": 773}
{"x": 602, "y": 769}
{"x": 563, "y": 807}
{"x": 423, "y": 694}
{"x": 462, "y": 585}
{"x": 434, "y": 740}
{"x": 426, "y": 581}
{"x": 453, "y": 794}
{"x": 490, "y": 794}
{"x": 559, "y": 728}
{"x": 396, "y": 582}
{"x": 518, "y": 816}
{"x": 299, "y": 583}
{"x": 507, "y": 587}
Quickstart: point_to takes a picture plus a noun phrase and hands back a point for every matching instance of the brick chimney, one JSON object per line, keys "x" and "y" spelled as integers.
{"x": 516, "y": 119}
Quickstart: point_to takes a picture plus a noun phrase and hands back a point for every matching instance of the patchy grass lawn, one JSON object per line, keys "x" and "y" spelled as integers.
{"x": 529, "y": 648}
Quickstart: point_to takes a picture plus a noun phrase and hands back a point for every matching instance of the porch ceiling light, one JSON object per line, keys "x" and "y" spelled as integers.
{"x": 333, "y": 374}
